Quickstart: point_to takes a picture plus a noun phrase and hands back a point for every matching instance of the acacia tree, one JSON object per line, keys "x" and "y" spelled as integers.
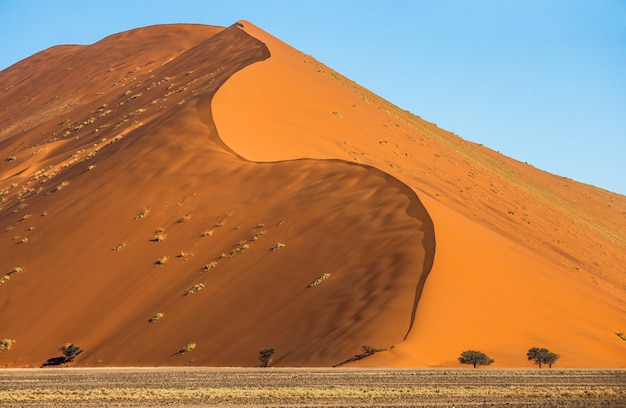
{"x": 541, "y": 356}
{"x": 265, "y": 355}
{"x": 70, "y": 351}
{"x": 474, "y": 357}
{"x": 550, "y": 358}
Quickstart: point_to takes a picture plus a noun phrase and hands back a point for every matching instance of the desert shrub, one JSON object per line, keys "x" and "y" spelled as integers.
{"x": 158, "y": 237}
{"x": 278, "y": 246}
{"x": 265, "y": 355}
{"x": 70, "y": 351}
{"x": 156, "y": 317}
{"x": 8, "y": 275}
{"x": 189, "y": 347}
{"x": 142, "y": 214}
{"x": 474, "y": 357}
{"x": 195, "y": 288}
{"x": 369, "y": 350}
{"x": 184, "y": 219}
{"x": 6, "y": 344}
{"x": 319, "y": 280}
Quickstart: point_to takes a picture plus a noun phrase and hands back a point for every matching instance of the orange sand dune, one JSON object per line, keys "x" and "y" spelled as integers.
{"x": 256, "y": 171}
{"x": 523, "y": 257}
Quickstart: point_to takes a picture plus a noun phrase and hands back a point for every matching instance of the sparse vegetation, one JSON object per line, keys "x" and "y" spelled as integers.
{"x": 12, "y": 272}
{"x": 319, "y": 280}
{"x": 370, "y": 350}
{"x": 161, "y": 260}
{"x": 319, "y": 387}
{"x": 184, "y": 219}
{"x": 155, "y": 317}
{"x": 195, "y": 288}
{"x": 159, "y": 235}
{"x": 278, "y": 246}
{"x": 62, "y": 185}
{"x": 475, "y": 358}
{"x": 142, "y": 214}
{"x": 70, "y": 352}
{"x": 542, "y": 356}
{"x": 189, "y": 347}
{"x": 265, "y": 355}
{"x": 184, "y": 255}
{"x": 6, "y": 344}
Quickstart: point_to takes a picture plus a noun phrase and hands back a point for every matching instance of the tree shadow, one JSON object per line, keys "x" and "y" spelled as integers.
{"x": 54, "y": 361}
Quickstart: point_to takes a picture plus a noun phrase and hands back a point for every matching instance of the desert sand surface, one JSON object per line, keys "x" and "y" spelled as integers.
{"x": 312, "y": 387}
{"x": 242, "y": 195}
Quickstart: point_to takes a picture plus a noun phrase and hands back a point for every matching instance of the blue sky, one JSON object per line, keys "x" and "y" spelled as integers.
{"x": 542, "y": 81}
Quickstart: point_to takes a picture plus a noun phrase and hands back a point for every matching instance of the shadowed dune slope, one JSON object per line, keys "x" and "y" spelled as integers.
{"x": 524, "y": 258}
{"x": 120, "y": 201}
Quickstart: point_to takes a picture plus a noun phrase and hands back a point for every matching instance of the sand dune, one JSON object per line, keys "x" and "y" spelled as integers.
{"x": 256, "y": 172}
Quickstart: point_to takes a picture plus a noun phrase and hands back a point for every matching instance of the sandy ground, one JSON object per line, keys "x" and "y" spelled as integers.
{"x": 272, "y": 387}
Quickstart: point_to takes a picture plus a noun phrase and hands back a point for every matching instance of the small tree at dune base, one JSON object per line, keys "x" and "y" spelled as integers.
{"x": 542, "y": 356}
{"x": 265, "y": 355}
{"x": 475, "y": 358}
{"x": 70, "y": 351}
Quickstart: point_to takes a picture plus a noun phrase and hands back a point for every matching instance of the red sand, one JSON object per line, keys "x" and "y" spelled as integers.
{"x": 232, "y": 133}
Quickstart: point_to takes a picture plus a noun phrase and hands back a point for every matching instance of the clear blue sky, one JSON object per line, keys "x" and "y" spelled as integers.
{"x": 543, "y": 81}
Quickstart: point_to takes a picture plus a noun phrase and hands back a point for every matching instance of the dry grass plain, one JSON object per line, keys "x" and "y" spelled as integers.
{"x": 311, "y": 387}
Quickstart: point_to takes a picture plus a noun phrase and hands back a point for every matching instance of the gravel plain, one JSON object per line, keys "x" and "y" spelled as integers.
{"x": 311, "y": 387}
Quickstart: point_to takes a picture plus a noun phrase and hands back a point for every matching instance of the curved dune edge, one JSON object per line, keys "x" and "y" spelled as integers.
{"x": 487, "y": 289}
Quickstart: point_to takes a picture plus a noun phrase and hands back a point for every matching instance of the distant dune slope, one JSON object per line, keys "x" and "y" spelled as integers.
{"x": 122, "y": 204}
{"x": 524, "y": 258}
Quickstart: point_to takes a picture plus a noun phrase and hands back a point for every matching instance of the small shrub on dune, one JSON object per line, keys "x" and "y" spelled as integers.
{"x": 278, "y": 246}
{"x": 195, "y": 288}
{"x": 142, "y": 214}
{"x": 156, "y": 317}
{"x": 319, "y": 280}
{"x": 6, "y": 344}
{"x": 189, "y": 347}
{"x": 184, "y": 219}
{"x": 8, "y": 275}
{"x": 159, "y": 237}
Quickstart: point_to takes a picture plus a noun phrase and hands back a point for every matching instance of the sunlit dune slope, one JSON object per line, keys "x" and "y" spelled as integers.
{"x": 524, "y": 258}
{"x": 126, "y": 203}
{"x": 243, "y": 195}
